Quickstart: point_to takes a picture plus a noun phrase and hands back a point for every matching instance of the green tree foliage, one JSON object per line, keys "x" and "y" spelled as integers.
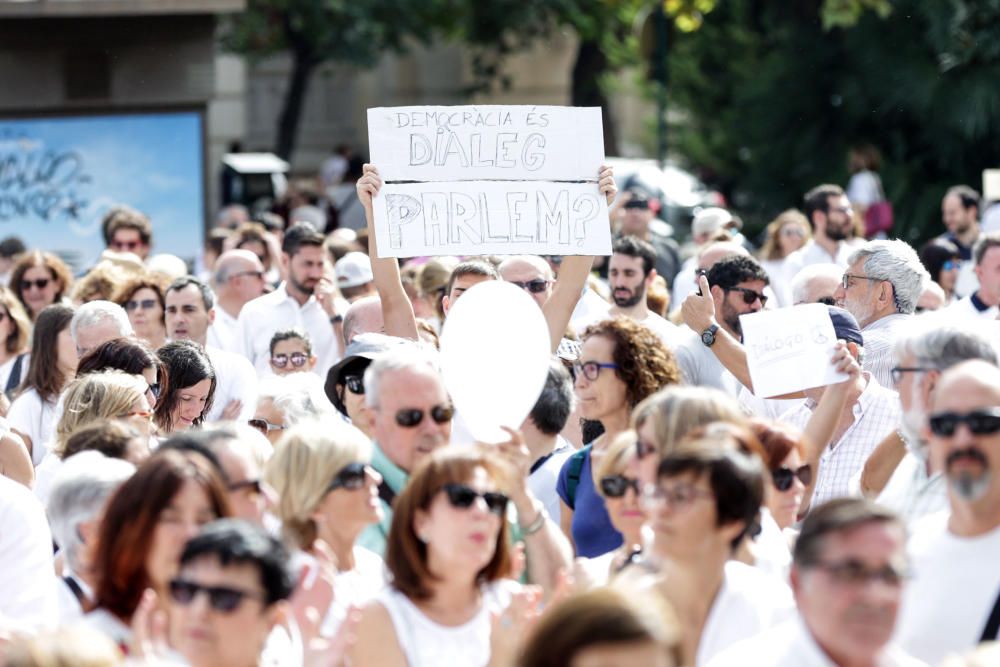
{"x": 773, "y": 98}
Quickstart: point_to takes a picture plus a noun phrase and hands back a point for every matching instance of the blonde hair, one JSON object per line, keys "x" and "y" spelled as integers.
{"x": 771, "y": 249}
{"x": 104, "y": 395}
{"x": 675, "y": 411}
{"x": 17, "y": 341}
{"x": 65, "y": 647}
{"x": 617, "y": 457}
{"x": 305, "y": 461}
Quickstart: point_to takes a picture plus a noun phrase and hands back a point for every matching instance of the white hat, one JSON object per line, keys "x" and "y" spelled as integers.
{"x": 353, "y": 269}
{"x": 711, "y": 220}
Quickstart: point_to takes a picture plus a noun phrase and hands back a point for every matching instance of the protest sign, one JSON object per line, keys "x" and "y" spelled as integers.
{"x": 790, "y": 349}
{"x": 475, "y": 180}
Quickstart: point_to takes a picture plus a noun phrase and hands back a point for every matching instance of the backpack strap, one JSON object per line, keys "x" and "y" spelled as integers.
{"x": 992, "y": 623}
{"x": 14, "y": 379}
{"x": 576, "y": 462}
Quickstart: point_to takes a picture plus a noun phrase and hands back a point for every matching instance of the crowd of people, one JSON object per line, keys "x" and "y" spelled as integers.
{"x": 254, "y": 462}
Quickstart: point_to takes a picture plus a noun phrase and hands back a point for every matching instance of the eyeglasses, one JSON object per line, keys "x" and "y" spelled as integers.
{"x": 536, "y": 286}
{"x": 298, "y": 360}
{"x": 355, "y": 384}
{"x": 855, "y": 573}
{"x": 951, "y": 264}
{"x": 643, "y": 449}
{"x": 845, "y": 280}
{"x": 980, "y": 422}
{"x": 827, "y": 300}
{"x": 40, "y": 283}
{"x": 412, "y": 417}
{"x": 265, "y": 426}
{"x": 784, "y": 477}
{"x": 221, "y": 598}
{"x": 679, "y": 497}
{"x": 898, "y": 371}
{"x": 461, "y": 497}
{"x": 145, "y": 304}
{"x": 590, "y": 369}
{"x": 253, "y": 485}
{"x": 749, "y": 296}
{"x": 616, "y": 486}
{"x": 256, "y": 274}
{"x": 351, "y": 477}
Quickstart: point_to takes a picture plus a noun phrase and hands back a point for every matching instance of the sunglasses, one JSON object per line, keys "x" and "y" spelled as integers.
{"x": 125, "y": 245}
{"x": 253, "y": 485}
{"x": 980, "y": 422}
{"x": 536, "y": 286}
{"x": 154, "y": 389}
{"x": 221, "y": 598}
{"x": 411, "y": 417}
{"x": 616, "y": 486}
{"x": 351, "y": 477}
{"x": 298, "y": 360}
{"x": 355, "y": 384}
{"x": 749, "y": 296}
{"x": 265, "y": 426}
{"x": 145, "y": 304}
{"x": 784, "y": 477}
{"x": 461, "y": 497}
{"x": 590, "y": 369}
{"x": 951, "y": 264}
{"x": 40, "y": 283}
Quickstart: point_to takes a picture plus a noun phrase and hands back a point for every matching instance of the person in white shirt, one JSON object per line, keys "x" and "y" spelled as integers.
{"x": 238, "y": 279}
{"x": 305, "y": 300}
{"x": 95, "y": 323}
{"x": 829, "y": 213}
{"x": 956, "y": 581}
{"x": 960, "y": 214}
{"x": 190, "y": 310}
{"x": 984, "y": 302}
{"x": 847, "y": 575}
{"x": 79, "y": 491}
{"x": 880, "y": 288}
{"x": 787, "y": 233}
{"x": 630, "y": 273}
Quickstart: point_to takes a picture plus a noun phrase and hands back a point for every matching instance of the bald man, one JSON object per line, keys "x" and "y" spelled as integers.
{"x": 954, "y": 555}
{"x": 531, "y": 273}
{"x": 239, "y": 278}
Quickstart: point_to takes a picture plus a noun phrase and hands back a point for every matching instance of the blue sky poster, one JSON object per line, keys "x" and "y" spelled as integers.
{"x": 59, "y": 175}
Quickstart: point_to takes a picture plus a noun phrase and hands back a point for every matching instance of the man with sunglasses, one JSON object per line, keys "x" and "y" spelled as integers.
{"x": 238, "y": 280}
{"x": 953, "y": 602}
{"x": 127, "y": 230}
{"x": 531, "y": 273}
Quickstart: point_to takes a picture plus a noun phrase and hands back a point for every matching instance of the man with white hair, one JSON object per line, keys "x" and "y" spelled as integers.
{"x": 241, "y": 451}
{"x": 880, "y": 288}
{"x": 80, "y": 489}
{"x": 816, "y": 283}
{"x": 95, "y": 323}
{"x": 238, "y": 279}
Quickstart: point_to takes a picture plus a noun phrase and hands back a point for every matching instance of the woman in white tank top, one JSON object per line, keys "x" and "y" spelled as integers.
{"x": 448, "y": 555}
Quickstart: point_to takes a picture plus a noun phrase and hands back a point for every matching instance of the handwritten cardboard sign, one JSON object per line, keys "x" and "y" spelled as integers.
{"x": 789, "y": 349}
{"x": 474, "y": 180}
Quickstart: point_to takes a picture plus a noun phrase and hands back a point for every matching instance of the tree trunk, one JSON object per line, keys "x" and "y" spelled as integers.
{"x": 291, "y": 111}
{"x": 590, "y": 66}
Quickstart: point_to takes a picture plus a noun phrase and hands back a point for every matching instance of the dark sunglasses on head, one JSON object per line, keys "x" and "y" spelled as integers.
{"x": 145, "y": 304}
{"x": 265, "y": 426}
{"x": 253, "y": 485}
{"x": 351, "y": 477}
{"x": 461, "y": 497}
{"x": 298, "y": 359}
{"x": 355, "y": 384}
{"x": 616, "y": 486}
{"x": 40, "y": 283}
{"x": 536, "y": 286}
{"x": 221, "y": 598}
{"x": 784, "y": 476}
{"x": 980, "y": 422}
{"x": 749, "y": 296}
{"x": 411, "y": 417}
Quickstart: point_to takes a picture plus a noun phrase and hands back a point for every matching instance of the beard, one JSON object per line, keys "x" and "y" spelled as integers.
{"x": 732, "y": 321}
{"x": 301, "y": 287}
{"x": 836, "y": 232}
{"x": 965, "y": 483}
{"x": 628, "y": 298}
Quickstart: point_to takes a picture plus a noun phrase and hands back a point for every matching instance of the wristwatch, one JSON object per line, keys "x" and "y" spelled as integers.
{"x": 708, "y": 335}
{"x": 336, "y": 319}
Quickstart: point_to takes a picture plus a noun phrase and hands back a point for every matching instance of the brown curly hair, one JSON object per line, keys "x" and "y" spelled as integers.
{"x": 644, "y": 363}
{"x": 154, "y": 281}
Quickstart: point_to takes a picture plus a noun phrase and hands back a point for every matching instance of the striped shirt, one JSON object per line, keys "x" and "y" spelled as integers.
{"x": 880, "y": 336}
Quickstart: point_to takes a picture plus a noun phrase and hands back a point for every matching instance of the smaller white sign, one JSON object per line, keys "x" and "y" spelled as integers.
{"x": 790, "y": 349}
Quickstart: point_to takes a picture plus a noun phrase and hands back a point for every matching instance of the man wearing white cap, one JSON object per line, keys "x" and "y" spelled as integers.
{"x": 354, "y": 276}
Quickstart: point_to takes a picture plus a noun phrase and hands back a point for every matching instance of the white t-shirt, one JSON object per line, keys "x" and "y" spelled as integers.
{"x": 542, "y": 482}
{"x": 589, "y": 309}
{"x": 955, "y": 582}
{"x": 235, "y": 379}
{"x": 700, "y": 366}
{"x": 354, "y": 588}
{"x": 34, "y": 418}
{"x": 669, "y": 333}
{"x": 222, "y": 333}
{"x": 864, "y": 189}
{"x": 964, "y": 309}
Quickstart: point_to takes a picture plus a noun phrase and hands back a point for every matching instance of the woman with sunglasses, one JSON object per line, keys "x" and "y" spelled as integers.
{"x": 943, "y": 260}
{"x": 329, "y": 494}
{"x": 621, "y": 363}
{"x": 791, "y": 475}
{"x": 53, "y": 365}
{"x": 291, "y": 352}
{"x": 144, "y": 529}
{"x": 785, "y": 234}
{"x": 40, "y": 279}
{"x": 15, "y": 332}
{"x": 188, "y": 398}
{"x": 142, "y": 299}
{"x": 449, "y": 558}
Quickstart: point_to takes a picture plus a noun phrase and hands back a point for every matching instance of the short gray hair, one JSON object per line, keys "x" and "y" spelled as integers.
{"x": 93, "y": 313}
{"x": 411, "y": 358}
{"x": 299, "y": 396}
{"x": 941, "y": 345}
{"x": 82, "y": 485}
{"x": 898, "y": 263}
{"x": 801, "y": 280}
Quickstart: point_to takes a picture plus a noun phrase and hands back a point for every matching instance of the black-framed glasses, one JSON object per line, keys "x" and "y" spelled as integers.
{"x": 350, "y": 477}
{"x": 827, "y": 300}
{"x": 749, "y": 295}
{"x": 412, "y": 417}
{"x": 462, "y": 496}
{"x": 784, "y": 477}
{"x": 980, "y": 422}
{"x": 297, "y": 359}
{"x": 852, "y": 572}
{"x": 355, "y": 384}
{"x": 256, "y": 274}
{"x": 265, "y": 426}
{"x": 590, "y": 369}
{"x": 253, "y": 485}
{"x": 220, "y": 598}
{"x": 845, "y": 280}
{"x": 616, "y": 486}
{"x": 898, "y": 372}
{"x": 536, "y": 286}
{"x": 39, "y": 283}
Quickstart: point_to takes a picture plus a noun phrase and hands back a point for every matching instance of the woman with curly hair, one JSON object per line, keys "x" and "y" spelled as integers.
{"x": 142, "y": 299}
{"x": 621, "y": 363}
{"x": 40, "y": 279}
